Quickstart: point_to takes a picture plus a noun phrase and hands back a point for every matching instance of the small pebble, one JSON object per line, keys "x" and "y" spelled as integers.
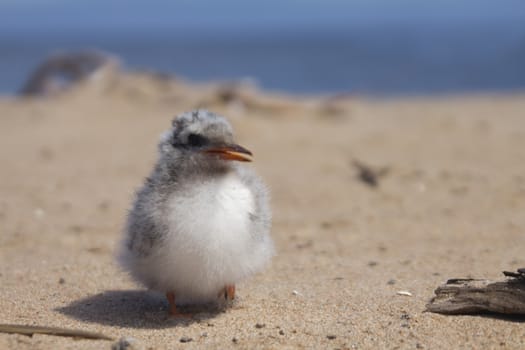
{"x": 127, "y": 343}
{"x": 61, "y": 280}
{"x": 405, "y": 293}
{"x": 185, "y": 339}
{"x": 295, "y": 292}
{"x": 372, "y": 263}
{"x": 281, "y": 332}
{"x": 103, "y": 206}
{"x": 260, "y": 325}
{"x": 331, "y": 336}
{"x": 76, "y": 228}
{"x": 391, "y": 282}
{"x": 235, "y": 340}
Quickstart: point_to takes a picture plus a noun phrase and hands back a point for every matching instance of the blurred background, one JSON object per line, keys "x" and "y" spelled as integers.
{"x": 378, "y": 47}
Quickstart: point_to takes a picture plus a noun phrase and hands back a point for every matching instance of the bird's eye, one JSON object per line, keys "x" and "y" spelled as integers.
{"x": 195, "y": 140}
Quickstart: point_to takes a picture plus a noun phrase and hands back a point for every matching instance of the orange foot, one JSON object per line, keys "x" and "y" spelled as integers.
{"x": 174, "y": 312}
{"x": 228, "y": 292}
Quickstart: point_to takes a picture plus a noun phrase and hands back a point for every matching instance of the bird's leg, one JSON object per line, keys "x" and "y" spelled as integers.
{"x": 229, "y": 291}
{"x": 173, "y": 308}
{"x": 171, "y": 300}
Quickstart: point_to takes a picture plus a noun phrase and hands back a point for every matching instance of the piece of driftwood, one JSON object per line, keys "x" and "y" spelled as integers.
{"x": 64, "y": 332}
{"x": 470, "y": 296}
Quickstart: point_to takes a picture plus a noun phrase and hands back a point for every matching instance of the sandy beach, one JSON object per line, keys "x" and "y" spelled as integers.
{"x": 450, "y": 204}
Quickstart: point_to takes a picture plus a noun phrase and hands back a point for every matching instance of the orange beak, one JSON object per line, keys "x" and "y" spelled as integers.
{"x": 231, "y": 152}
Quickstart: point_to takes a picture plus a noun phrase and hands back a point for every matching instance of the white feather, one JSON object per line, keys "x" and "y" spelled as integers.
{"x": 209, "y": 243}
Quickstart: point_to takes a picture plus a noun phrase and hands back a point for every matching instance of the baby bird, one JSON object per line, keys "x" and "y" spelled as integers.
{"x": 201, "y": 221}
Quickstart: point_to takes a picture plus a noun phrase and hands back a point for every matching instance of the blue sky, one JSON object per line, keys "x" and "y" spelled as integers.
{"x": 211, "y": 15}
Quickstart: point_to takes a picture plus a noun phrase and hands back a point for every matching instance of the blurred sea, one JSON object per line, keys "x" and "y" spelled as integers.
{"x": 379, "y": 61}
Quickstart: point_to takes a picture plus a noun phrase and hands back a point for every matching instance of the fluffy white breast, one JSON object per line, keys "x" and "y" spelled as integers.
{"x": 209, "y": 243}
{"x": 217, "y": 209}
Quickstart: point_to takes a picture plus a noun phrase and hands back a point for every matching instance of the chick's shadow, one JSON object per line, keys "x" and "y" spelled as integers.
{"x": 135, "y": 309}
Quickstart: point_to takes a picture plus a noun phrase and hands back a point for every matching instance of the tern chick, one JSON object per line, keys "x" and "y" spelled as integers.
{"x": 201, "y": 221}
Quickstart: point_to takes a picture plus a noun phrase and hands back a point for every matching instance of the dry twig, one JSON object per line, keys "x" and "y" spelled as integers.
{"x": 63, "y": 332}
